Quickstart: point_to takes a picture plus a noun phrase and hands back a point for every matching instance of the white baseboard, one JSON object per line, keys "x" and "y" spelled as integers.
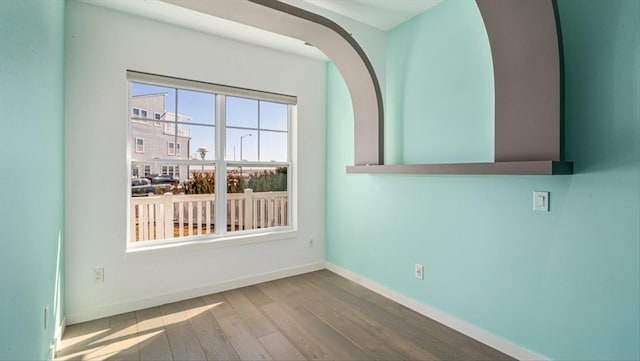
{"x": 472, "y": 331}
{"x": 57, "y": 339}
{"x": 139, "y": 304}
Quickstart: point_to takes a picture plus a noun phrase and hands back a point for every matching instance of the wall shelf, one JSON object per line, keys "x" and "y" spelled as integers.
{"x": 528, "y": 82}
{"x": 498, "y": 168}
{"x": 528, "y": 96}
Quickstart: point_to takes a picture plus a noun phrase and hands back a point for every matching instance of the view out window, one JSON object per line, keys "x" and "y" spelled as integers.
{"x": 226, "y": 168}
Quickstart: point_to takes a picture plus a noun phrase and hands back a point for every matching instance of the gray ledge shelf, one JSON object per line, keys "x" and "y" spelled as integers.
{"x": 497, "y": 168}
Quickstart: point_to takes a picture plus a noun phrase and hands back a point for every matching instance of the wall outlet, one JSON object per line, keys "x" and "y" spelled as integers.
{"x": 98, "y": 275}
{"x": 46, "y": 317}
{"x": 419, "y": 271}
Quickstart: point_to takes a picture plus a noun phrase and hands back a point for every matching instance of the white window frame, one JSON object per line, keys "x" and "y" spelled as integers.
{"x": 141, "y": 149}
{"x": 145, "y": 112}
{"x": 221, "y": 165}
{"x": 171, "y": 148}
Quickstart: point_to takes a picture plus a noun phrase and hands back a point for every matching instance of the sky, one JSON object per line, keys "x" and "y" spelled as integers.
{"x": 243, "y": 116}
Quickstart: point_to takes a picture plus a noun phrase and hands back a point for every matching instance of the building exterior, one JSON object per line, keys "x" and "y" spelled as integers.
{"x": 154, "y": 139}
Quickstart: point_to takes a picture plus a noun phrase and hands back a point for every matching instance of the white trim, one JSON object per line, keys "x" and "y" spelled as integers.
{"x": 209, "y": 241}
{"x": 470, "y": 330}
{"x": 60, "y": 333}
{"x": 139, "y": 304}
{"x": 57, "y": 339}
{"x": 163, "y": 80}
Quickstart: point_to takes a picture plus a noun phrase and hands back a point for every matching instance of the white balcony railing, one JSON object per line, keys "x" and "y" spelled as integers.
{"x": 170, "y": 216}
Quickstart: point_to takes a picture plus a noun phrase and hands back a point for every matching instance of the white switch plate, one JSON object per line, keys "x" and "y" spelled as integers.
{"x": 419, "y": 271}
{"x": 541, "y": 201}
{"x": 98, "y": 275}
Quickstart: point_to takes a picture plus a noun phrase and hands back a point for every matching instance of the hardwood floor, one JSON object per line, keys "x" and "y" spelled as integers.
{"x": 315, "y": 316}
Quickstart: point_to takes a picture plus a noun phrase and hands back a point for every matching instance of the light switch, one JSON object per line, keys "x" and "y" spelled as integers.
{"x": 540, "y": 201}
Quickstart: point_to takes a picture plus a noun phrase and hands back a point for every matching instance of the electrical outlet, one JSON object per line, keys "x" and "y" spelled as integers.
{"x": 46, "y": 317}
{"x": 98, "y": 275}
{"x": 419, "y": 271}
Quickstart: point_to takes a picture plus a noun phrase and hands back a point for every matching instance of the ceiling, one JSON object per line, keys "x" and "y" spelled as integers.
{"x": 381, "y": 14}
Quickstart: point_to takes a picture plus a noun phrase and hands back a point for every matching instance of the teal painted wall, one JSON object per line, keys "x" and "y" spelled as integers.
{"x": 564, "y": 284}
{"x": 32, "y": 148}
{"x": 450, "y": 118}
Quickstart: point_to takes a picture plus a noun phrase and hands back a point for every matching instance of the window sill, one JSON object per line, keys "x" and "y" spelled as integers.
{"x": 199, "y": 244}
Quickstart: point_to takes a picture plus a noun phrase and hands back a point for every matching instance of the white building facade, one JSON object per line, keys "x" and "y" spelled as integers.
{"x": 155, "y": 135}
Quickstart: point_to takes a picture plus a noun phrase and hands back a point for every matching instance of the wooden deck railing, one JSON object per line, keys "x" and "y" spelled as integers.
{"x": 170, "y": 216}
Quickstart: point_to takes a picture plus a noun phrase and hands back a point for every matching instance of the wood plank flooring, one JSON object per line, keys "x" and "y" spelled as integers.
{"x": 315, "y": 316}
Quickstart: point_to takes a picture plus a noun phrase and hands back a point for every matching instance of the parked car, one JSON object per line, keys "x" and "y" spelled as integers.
{"x": 155, "y": 185}
{"x": 163, "y": 179}
{"x": 141, "y": 187}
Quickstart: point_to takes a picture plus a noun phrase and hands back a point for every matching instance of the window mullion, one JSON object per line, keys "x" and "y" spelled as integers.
{"x": 221, "y": 167}
{"x": 175, "y": 130}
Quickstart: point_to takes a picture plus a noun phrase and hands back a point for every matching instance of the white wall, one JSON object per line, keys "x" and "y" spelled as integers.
{"x": 101, "y": 45}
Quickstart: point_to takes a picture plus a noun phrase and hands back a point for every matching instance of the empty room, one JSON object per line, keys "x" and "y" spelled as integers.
{"x": 320, "y": 179}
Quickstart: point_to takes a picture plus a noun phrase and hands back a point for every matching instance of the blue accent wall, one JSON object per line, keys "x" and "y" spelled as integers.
{"x": 564, "y": 284}
{"x": 32, "y": 184}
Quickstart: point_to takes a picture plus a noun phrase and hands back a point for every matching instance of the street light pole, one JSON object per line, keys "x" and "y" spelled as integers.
{"x": 241, "y": 138}
{"x": 203, "y": 152}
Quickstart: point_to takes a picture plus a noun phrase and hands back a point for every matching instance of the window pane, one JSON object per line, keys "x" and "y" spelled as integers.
{"x": 273, "y": 116}
{"x": 257, "y": 197}
{"x": 192, "y": 210}
{"x": 242, "y": 144}
{"x": 194, "y": 141}
{"x": 242, "y": 112}
{"x": 196, "y": 107}
{"x": 273, "y": 146}
{"x": 153, "y": 98}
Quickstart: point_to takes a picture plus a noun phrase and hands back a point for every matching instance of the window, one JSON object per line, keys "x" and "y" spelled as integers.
{"x": 233, "y": 175}
{"x": 139, "y": 145}
{"x": 143, "y": 113}
{"x": 135, "y": 112}
{"x": 147, "y": 170}
{"x": 157, "y": 116}
{"x": 172, "y": 171}
{"x": 173, "y": 148}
